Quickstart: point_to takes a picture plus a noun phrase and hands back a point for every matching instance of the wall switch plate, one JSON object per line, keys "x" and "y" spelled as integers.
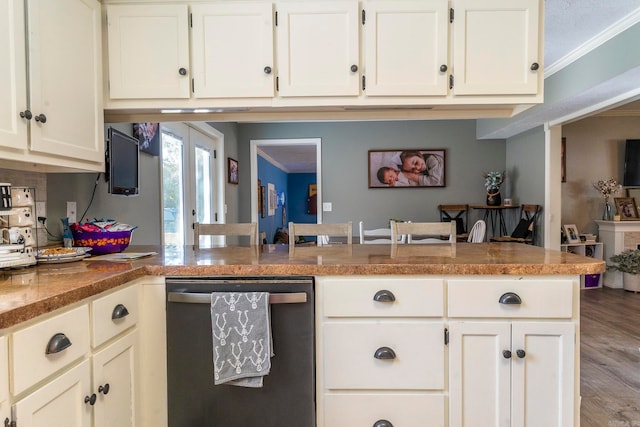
{"x": 327, "y": 207}
{"x": 71, "y": 212}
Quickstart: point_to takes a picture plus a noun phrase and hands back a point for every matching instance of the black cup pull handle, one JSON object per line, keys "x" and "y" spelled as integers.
{"x": 510, "y": 298}
{"x": 57, "y": 343}
{"x": 384, "y": 353}
{"x": 384, "y": 296}
{"x": 119, "y": 311}
{"x": 382, "y": 423}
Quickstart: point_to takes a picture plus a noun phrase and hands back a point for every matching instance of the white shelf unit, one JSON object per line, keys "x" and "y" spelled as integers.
{"x": 590, "y": 249}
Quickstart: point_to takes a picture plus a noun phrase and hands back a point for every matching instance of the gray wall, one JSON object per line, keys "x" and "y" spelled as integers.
{"x": 344, "y": 166}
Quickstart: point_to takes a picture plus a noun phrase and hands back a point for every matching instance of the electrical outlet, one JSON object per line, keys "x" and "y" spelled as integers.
{"x": 41, "y": 212}
{"x": 71, "y": 212}
{"x": 327, "y": 206}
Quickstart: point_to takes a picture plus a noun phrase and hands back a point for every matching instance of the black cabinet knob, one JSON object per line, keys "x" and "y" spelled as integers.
{"x": 521, "y": 353}
{"x": 384, "y": 353}
{"x": 267, "y": 70}
{"x": 104, "y": 389}
{"x": 91, "y": 400}
{"x": 443, "y": 68}
{"x": 182, "y": 71}
{"x": 384, "y": 296}
{"x": 41, "y": 118}
{"x": 26, "y": 114}
{"x": 354, "y": 68}
{"x": 535, "y": 66}
{"x": 382, "y": 423}
{"x": 506, "y": 354}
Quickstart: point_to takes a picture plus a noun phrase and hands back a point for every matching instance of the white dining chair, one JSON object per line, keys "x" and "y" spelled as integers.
{"x": 377, "y": 235}
{"x": 249, "y": 229}
{"x": 322, "y": 231}
{"x": 477, "y": 232}
{"x": 424, "y": 232}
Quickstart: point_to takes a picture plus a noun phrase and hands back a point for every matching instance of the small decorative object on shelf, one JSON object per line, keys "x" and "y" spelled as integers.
{"x": 492, "y": 182}
{"x": 627, "y": 262}
{"x": 607, "y": 188}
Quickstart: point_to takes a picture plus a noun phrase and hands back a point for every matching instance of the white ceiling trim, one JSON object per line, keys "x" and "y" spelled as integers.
{"x": 271, "y": 160}
{"x": 601, "y": 38}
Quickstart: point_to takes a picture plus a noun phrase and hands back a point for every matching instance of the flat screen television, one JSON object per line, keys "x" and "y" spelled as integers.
{"x": 122, "y": 164}
{"x": 632, "y": 163}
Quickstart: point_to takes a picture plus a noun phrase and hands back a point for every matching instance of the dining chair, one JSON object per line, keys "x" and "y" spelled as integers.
{"x": 477, "y": 232}
{"x": 249, "y": 229}
{"x": 458, "y": 214}
{"x": 377, "y": 235}
{"x": 322, "y": 231}
{"x": 424, "y": 232}
{"x": 525, "y": 230}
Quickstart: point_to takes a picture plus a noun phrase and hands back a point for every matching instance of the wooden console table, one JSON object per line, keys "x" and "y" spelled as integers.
{"x": 617, "y": 236}
{"x": 493, "y": 215}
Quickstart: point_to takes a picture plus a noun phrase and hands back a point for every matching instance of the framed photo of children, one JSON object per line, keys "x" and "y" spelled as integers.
{"x": 232, "y": 170}
{"x": 410, "y": 168}
{"x": 627, "y": 208}
{"x": 571, "y": 233}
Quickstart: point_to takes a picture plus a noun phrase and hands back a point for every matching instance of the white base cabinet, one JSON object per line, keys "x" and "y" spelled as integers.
{"x": 5, "y": 412}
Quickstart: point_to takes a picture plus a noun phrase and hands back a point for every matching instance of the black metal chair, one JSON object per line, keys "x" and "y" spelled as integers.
{"x": 525, "y": 230}
{"x": 460, "y": 215}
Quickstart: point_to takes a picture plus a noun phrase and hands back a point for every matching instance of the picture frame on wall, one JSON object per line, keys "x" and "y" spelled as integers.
{"x": 148, "y": 135}
{"x": 409, "y": 168}
{"x": 571, "y": 232}
{"x": 627, "y": 208}
{"x": 232, "y": 170}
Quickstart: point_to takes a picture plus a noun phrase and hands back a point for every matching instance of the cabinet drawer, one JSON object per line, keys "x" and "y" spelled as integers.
{"x": 401, "y": 409}
{"x": 539, "y": 299}
{"x": 349, "y": 361}
{"x": 108, "y": 318}
{"x": 414, "y": 297}
{"x": 4, "y": 370}
{"x": 28, "y": 353}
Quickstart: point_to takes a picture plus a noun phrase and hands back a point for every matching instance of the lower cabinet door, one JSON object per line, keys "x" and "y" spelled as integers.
{"x": 399, "y": 409}
{"x": 113, "y": 382}
{"x": 59, "y": 403}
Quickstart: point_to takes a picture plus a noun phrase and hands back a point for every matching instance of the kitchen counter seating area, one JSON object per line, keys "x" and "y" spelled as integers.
{"x": 464, "y": 304}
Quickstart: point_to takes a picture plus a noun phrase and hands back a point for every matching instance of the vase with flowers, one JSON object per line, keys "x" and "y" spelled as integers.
{"x": 607, "y": 188}
{"x": 492, "y": 182}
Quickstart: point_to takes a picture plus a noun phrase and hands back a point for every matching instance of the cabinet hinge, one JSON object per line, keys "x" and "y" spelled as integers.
{"x": 275, "y": 18}
{"x": 193, "y": 86}
{"x": 446, "y": 336}
{"x": 450, "y": 81}
{"x": 191, "y": 20}
{"x": 216, "y": 216}
{"x": 277, "y": 84}
{"x": 364, "y": 82}
{"x": 364, "y": 16}
{"x": 8, "y": 423}
{"x": 451, "y": 13}
{"x": 215, "y": 154}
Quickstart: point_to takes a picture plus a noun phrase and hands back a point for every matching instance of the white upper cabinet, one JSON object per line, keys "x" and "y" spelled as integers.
{"x": 496, "y": 47}
{"x": 65, "y": 78}
{"x": 232, "y": 50}
{"x": 318, "y": 48}
{"x": 406, "y": 47}
{"x": 13, "y": 82}
{"x": 148, "y": 51}
{"x": 51, "y": 113}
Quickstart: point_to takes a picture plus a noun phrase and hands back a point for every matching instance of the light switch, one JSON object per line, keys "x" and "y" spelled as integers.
{"x": 327, "y": 206}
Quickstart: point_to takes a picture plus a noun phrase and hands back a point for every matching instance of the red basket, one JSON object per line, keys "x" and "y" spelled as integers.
{"x": 102, "y": 242}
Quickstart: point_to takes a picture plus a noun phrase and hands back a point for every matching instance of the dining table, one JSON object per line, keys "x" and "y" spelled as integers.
{"x": 494, "y": 217}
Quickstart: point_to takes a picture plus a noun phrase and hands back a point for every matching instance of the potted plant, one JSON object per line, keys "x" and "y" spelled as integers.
{"x": 628, "y": 262}
{"x": 492, "y": 182}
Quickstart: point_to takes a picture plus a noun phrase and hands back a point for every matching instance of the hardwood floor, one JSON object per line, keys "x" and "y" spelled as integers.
{"x": 610, "y": 358}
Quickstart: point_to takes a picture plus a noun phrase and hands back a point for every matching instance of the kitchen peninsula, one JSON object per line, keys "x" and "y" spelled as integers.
{"x": 455, "y": 296}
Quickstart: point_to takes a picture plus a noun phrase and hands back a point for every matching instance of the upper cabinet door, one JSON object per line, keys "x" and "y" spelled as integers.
{"x": 232, "y": 50}
{"x": 318, "y": 48}
{"x": 13, "y": 89}
{"x": 496, "y": 47}
{"x": 406, "y": 47}
{"x": 148, "y": 51}
{"x": 65, "y": 78}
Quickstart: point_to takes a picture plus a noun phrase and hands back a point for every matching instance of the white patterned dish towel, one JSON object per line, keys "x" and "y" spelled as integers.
{"x": 242, "y": 345}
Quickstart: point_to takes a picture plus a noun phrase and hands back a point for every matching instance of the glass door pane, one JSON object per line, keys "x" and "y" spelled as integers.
{"x": 173, "y": 189}
{"x": 203, "y": 167}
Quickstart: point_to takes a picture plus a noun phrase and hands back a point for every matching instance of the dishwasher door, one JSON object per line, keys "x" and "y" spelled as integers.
{"x": 287, "y": 398}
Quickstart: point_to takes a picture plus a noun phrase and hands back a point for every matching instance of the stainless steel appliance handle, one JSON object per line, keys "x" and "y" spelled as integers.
{"x": 203, "y": 298}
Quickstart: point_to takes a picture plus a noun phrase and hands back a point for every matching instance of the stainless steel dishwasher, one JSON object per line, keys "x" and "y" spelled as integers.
{"x": 287, "y": 398}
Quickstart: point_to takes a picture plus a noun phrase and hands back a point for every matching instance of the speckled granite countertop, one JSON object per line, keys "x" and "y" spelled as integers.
{"x": 32, "y": 291}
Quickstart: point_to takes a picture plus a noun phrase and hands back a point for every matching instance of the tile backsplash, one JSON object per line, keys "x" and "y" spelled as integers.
{"x": 35, "y": 180}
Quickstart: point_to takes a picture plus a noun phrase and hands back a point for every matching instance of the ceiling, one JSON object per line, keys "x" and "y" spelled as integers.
{"x": 572, "y": 28}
